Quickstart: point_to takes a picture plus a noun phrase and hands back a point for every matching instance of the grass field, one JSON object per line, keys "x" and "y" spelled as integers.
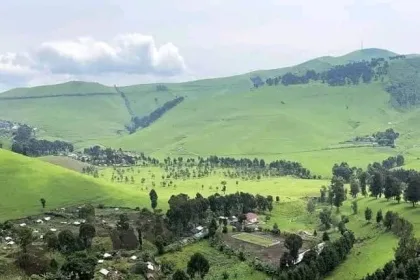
{"x": 256, "y": 239}
{"x": 66, "y": 162}
{"x": 219, "y": 263}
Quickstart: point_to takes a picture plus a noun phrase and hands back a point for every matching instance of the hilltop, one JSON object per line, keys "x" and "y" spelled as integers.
{"x": 228, "y": 116}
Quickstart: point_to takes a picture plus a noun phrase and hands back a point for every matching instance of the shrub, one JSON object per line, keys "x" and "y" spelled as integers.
{"x": 32, "y": 264}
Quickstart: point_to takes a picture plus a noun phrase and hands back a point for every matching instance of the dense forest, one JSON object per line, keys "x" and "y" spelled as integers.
{"x": 351, "y": 73}
{"x": 25, "y": 143}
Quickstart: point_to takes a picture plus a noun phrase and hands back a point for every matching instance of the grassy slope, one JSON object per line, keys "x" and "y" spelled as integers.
{"x": 66, "y": 162}
{"x": 23, "y": 181}
{"x": 308, "y": 127}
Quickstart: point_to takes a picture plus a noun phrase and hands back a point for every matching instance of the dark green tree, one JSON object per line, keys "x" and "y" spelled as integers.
{"x": 79, "y": 266}
{"x": 325, "y": 217}
{"x": 337, "y": 185}
{"x": 67, "y": 241}
{"x": 123, "y": 222}
{"x": 293, "y": 243}
{"x": 87, "y": 211}
{"x": 377, "y": 184}
{"x": 43, "y": 201}
{"x": 86, "y": 233}
{"x": 51, "y": 240}
{"x": 354, "y": 207}
{"x": 412, "y": 193}
{"x": 25, "y": 238}
{"x": 198, "y": 264}
{"x": 160, "y": 245}
{"x": 363, "y": 182}
{"x": 368, "y": 214}
{"x": 153, "y": 198}
{"x": 180, "y": 275}
{"x": 379, "y": 216}
{"x": 212, "y": 228}
{"x": 354, "y": 187}
{"x": 325, "y": 237}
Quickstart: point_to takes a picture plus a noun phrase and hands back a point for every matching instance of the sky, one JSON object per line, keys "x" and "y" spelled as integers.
{"x": 137, "y": 41}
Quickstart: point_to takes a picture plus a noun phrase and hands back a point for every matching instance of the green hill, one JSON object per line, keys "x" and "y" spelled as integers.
{"x": 23, "y": 181}
{"x": 226, "y": 116}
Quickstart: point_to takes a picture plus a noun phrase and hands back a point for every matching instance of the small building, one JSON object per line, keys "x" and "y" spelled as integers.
{"x": 251, "y": 218}
{"x": 104, "y": 271}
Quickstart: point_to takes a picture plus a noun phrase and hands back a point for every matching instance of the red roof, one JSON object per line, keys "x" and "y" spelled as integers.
{"x": 251, "y": 216}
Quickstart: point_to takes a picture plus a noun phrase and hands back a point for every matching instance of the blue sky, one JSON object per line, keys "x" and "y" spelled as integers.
{"x": 137, "y": 41}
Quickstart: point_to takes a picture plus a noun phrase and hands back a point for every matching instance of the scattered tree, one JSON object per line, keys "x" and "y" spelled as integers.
{"x": 310, "y": 206}
{"x": 354, "y": 207}
{"x": 379, "y": 216}
{"x": 43, "y": 201}
{"x": 198, "y": 264}
{"x": 86, "y": 233}
{"x": 368, "y": 214}
{"x": 293, "y": 243}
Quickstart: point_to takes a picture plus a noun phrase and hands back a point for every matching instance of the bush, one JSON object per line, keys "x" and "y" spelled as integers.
{"x": 32, "y": 264}
{"x": 225, "y": 275}
{"x": 139, "y": 268}
{"x": 167, "y": 267}
{"x": 101, "y": 206}
{"x": 225, "y": 229}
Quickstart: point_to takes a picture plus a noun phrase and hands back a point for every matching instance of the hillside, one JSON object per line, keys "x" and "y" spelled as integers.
{"x": 226, "y": 116}
{"x": 24, "y": 181}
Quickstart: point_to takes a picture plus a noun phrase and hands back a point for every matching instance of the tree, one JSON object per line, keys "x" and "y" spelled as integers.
{"x": 354, "y": 188}
{"x": 79, "y": 266}
{"x": 86, "y": 233}
{"x": 87, "y": 211}
{"x": 160, "y": 245}
{"x": 412, "y": 193}
{"x": 140, "y": 237}
{"x": 379, "y": 216}
{"x": 323, "y": 195}
{"x": 389, "y": 219}
{"x": 368, "y": 214}
{"x": 180, "y": 275}
{"x": 67, "y": 241}
{"x": 51, "y": 240}
{"x": 407, "y": 249}
{"x": 123, "y": 222}
{"x": 212, "y": 228}
{"x": 293, "y": 243}
{"x": 354, "y": 207}
{"x": 325, "y": 217}
{"x": 337, "y": 185}
{"x": 325, "y": 237}
{"x": 277, "y": 199}
{"x": 377, "y": 184}
{"x": 43, "y": 201}
{"x": 310, "y": 206}
{"x": 25, "y": 238}
{"x": 276, "y": 229}
{"x": 362, "y": 180}
{"x": 198, "y": 264}
{"x": 153, "y": 198}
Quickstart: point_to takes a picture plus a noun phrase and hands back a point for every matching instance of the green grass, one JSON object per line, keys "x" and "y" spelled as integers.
{"x": 255, "y": 239}
{"x": 219, "y": 263}
{"x": 23, "y": 181}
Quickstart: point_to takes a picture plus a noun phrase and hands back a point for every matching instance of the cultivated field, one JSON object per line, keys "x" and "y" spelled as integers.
{"x": 264, "y": 241}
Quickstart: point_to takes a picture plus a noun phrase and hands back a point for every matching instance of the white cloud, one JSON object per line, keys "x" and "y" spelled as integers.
{"x": 125, "y": 54}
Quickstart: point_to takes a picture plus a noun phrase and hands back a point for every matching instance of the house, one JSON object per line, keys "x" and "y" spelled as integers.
{"x": 104, "y": 271}
{"x": 251, "y": 218}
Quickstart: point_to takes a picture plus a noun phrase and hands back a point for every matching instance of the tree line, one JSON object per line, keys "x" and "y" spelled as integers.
{"x": 142, "y": 122}
{"x": 24, "y": 142}
{"x": 351, "y": 73}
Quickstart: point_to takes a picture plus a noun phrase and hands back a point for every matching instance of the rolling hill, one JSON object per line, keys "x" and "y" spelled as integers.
{"x": 227, "y": 117}
{"x": 24, "y": 181}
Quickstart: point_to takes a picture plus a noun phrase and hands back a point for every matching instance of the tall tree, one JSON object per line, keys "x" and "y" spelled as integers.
{"x": 86, "y": 233}
{"x": 153, "y": 198}
{"x": 198, "y": 264}
{"x": 43, "y": 201}
{"x": 368, "y": 214}
{"x": 377, "y": 184}
{"x": 293, "y": 243}
{"x": 363, "y": 179}
{"x": 212, "y": 228}
{"x": 337, "y": 185}
{"x": 379, "y": 216}
{"x": 354, "y": 187}
{"x": 412, "y": 193}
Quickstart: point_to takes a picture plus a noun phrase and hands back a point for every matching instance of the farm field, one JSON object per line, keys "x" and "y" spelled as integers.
{"x": 256, "y": 239}
{"x": 219, "y": 262}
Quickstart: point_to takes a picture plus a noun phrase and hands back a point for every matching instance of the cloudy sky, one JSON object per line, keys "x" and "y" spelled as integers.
{"x": 138, "y": 41}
